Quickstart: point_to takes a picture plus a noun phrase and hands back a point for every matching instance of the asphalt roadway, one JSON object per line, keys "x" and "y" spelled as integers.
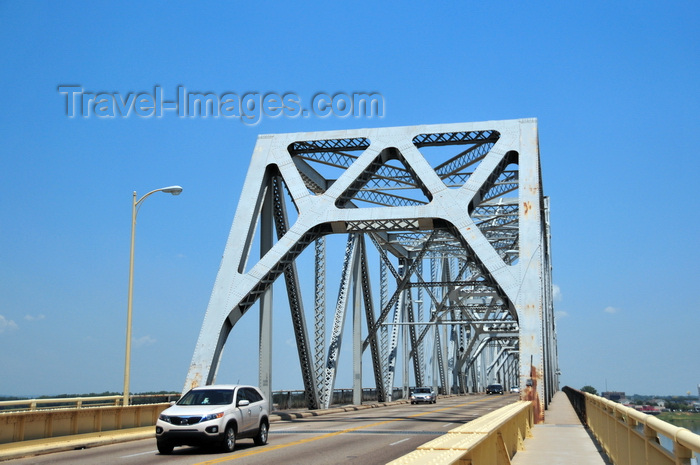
{"x": 371, "y": 436}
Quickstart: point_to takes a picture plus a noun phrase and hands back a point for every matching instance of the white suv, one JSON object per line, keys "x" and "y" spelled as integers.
{"x": 216, "y": 414}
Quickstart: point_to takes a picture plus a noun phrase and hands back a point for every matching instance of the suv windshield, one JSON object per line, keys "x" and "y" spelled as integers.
{"x": 422, "y": 390}
{"x": 207, "y": 397}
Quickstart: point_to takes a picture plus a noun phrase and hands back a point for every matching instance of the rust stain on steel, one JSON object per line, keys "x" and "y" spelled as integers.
{"x": 531, "y": 395}
{"x": 527, "y": 206}
{"x": 196, "y": 382}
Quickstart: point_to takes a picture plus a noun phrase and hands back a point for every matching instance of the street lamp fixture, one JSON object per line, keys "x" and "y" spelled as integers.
{"x": 135, "y": 205}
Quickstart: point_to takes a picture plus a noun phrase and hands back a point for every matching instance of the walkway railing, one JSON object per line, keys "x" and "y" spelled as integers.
{"x": 630, "y": 437}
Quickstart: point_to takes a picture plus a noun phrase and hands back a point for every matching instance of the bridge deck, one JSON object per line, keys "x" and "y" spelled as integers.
{"x": 561, "y": 439}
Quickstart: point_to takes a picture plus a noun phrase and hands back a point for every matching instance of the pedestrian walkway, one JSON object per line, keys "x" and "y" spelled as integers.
{"x": 560, "y": 440}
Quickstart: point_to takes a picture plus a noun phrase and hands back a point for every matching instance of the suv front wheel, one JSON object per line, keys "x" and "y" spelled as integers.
{"x": 165, "y": 447}
{"x": 229, "y": 443}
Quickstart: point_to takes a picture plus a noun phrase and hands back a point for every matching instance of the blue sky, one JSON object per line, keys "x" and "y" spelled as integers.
{"x": 613, "y": 85}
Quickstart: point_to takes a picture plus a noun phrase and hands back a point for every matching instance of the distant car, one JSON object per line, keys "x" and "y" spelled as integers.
{"x": 215, "y": 414}
{"x": 515, "y": 389}
{"x": 494, "y": 389}
{"x": 423, "y": 394}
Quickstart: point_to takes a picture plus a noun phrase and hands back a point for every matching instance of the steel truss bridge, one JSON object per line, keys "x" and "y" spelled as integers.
{"x": 438, "y": 236}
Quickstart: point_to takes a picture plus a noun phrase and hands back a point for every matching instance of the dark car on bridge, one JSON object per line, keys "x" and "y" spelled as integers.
{"x": 494, "y": 389}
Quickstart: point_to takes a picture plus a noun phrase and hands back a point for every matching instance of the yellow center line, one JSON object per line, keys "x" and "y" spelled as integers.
{"x": 269, "y": 448}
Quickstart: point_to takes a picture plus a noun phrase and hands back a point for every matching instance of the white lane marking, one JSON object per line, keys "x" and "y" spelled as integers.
{"x": 136, "y": 455}
{"x": 285, "y": 429}
{"x": 398, "y": 442}
{"x": 448, "y": 424}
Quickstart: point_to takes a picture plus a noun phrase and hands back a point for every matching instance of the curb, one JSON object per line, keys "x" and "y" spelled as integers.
{"x": 64, "y": 443}
{"x": 287, "y": 416}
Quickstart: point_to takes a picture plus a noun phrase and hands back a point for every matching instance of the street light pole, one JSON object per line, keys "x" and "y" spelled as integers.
{"x": 174, "y": 190}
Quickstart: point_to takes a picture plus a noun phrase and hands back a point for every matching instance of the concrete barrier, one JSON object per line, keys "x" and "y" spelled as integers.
{"x": 492, "y": 439}
{"x": 43, "y": 424}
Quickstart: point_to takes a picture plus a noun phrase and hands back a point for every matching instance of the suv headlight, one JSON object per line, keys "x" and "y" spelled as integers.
{"x": 213, "y": 416}
{"x": 164, "y": 418}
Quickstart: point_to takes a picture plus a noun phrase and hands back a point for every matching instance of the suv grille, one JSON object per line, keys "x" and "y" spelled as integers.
{"x": 185, "y": 420}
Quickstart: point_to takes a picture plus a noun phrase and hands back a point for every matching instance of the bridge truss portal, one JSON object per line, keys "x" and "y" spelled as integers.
{"x": 446, "y": 251}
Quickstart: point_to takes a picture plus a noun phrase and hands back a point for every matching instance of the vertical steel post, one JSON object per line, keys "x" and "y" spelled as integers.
{"x": 384, "y": 330}
{"x": 320, "y": 313}
{"x": 435, "y": 357}
{"x": 530, "y": 298}
{"x": 265, "y": 341}
{"x": 357, "y": 325}
{"x": 403, "y": 309}
{"x": 339, "y": 320}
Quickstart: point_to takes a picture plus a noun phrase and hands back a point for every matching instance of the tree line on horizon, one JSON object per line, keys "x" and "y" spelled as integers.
{"x": 682, "y": 403}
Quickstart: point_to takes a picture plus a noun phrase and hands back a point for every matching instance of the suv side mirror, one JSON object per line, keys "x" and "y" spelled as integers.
{"x": 243, "y": 403}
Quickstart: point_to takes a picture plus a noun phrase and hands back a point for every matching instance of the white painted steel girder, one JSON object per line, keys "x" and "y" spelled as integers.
{"x": 484, "y": 206}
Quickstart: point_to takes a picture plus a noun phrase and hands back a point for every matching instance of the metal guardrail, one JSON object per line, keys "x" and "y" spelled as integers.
{"x": 284, "y": 400}
{"x": 82, "y": 402}
{"x": 281, "y": 400}
{"x": 630, "y": 437}
{"x": 491, "y": 439}
{"x": 71, "y": 402}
